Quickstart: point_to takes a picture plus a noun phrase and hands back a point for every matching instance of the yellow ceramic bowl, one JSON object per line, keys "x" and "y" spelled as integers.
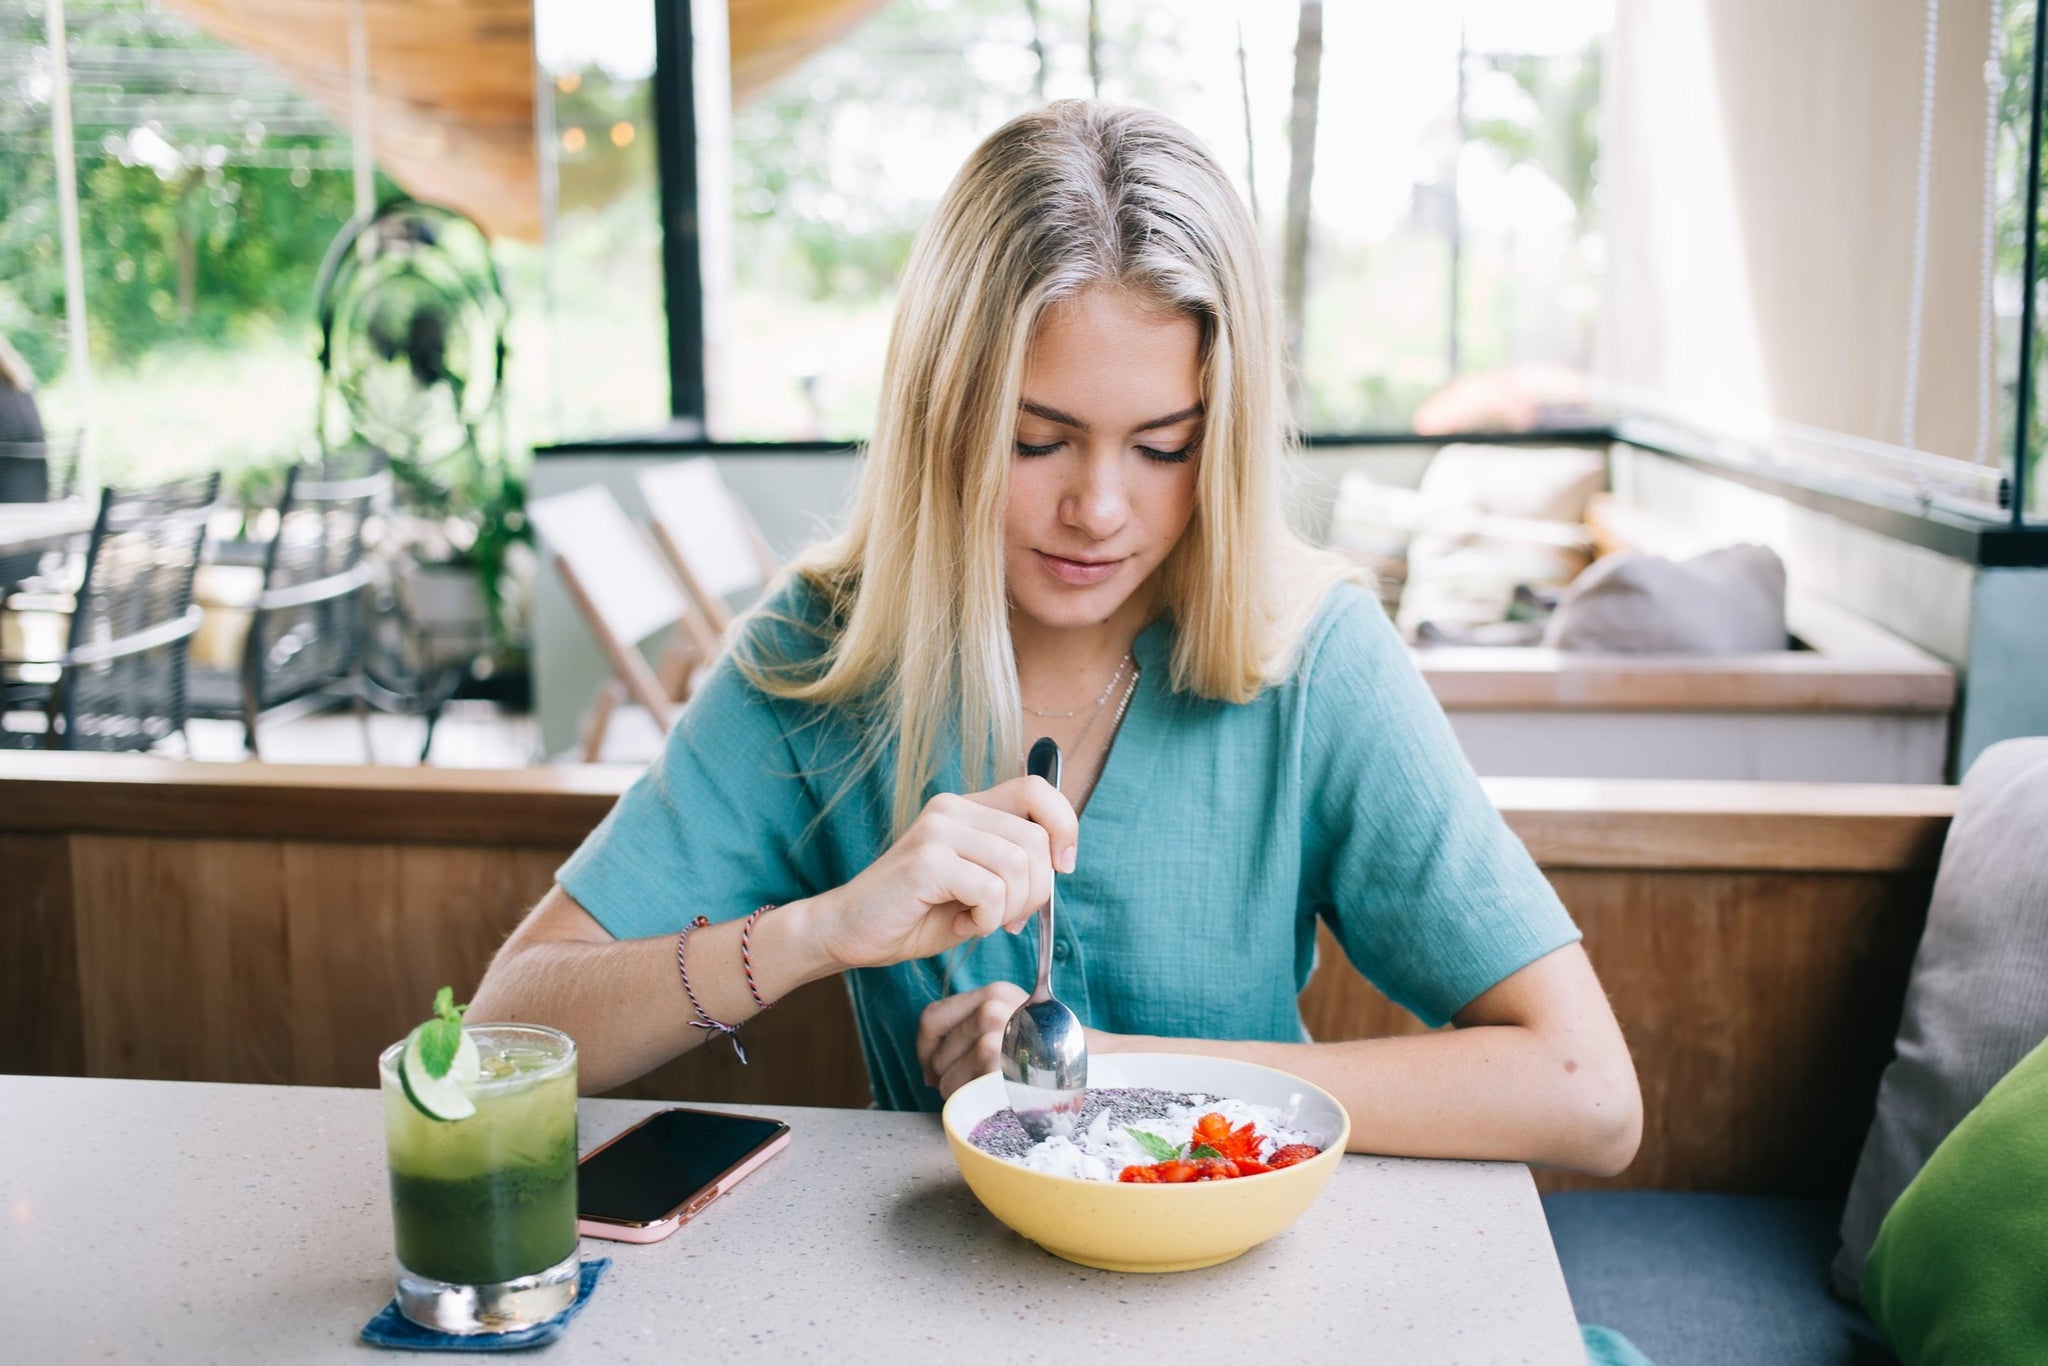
{"x": 1130, "y": 1227}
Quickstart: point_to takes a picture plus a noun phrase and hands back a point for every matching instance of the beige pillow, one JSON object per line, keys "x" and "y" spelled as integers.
{"x": 1729, "y": 601}
{"x": 1540, "y": 483}
{"x": 1465, "y": 575}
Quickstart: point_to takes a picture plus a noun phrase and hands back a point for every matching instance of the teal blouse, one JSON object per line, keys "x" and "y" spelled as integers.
{"x": 1216, "y": 837}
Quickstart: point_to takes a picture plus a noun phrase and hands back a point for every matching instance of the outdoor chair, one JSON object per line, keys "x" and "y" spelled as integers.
{"x": 119, "y": 682}
{"x": 625, "y": 595}
{"x": 305, "y": 642}
{"x": 717, "y": 551}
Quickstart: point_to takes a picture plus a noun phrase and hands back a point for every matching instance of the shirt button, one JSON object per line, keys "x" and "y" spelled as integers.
{"x": 1062, "y": 950}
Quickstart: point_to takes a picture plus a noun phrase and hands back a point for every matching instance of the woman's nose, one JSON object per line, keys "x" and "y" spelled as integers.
{"x": 1096, "y": 505}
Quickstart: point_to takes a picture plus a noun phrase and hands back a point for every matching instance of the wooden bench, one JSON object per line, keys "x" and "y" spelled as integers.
{"x": 266, "y": 923}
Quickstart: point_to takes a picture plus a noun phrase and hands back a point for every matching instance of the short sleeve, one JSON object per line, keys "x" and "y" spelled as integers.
{"x": 718, "y": 825}
{"x": 1429, "y": 893}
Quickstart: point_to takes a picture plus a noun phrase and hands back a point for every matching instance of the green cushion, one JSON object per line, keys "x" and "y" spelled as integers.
{"x": 1955, "y": 1275}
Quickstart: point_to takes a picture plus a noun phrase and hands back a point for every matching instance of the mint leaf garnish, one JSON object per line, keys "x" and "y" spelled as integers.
{"x": 442, "y": 1035}
{"x": 438, "y": 1042}
{"x": 1159, "y": 1148}
{"x": 1204, "y": 1150}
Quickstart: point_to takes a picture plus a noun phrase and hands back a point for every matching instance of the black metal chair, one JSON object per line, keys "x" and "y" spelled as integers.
{"x": 119, "y": 683}
{"x": 304, "y": 649}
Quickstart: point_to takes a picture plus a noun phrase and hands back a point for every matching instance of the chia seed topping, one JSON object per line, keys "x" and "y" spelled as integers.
{"x": 1002, "y": 1134}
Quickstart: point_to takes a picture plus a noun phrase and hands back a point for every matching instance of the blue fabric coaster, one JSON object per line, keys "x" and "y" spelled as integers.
{"x": 393, "y": 1329}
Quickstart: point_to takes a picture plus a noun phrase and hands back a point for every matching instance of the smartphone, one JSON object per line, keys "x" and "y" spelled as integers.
{"x": 649, "y": 1181}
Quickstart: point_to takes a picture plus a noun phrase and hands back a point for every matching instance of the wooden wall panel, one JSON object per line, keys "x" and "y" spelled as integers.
{"x": 182, "y": 958}
{"x": 374, "y": 930}
{"x": 803, "y": 1052}
{"x": 1761, "y": 1009}
{"x": 223, "y": 960}
{"x": 42, "y": 1022}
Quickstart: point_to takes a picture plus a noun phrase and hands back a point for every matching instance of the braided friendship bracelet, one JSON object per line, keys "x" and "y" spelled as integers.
{"x": 746, "y": 959}
{"x": 704, "y": 1020}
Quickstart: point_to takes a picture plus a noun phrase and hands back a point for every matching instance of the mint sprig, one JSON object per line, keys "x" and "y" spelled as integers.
{"x": 442, "y": 1035}
{"x": 1202, "y": 1150}
{"x": 1159, "y": 1148}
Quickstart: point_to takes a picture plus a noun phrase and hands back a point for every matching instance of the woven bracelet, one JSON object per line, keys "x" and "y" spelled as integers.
{"x": 747, "y": 960}
{"x": 704, "y": 1020}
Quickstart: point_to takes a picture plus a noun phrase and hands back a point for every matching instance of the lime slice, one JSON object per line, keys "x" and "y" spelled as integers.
{"x": 468, "y": 1067}
{"x": 438, "y": 1097}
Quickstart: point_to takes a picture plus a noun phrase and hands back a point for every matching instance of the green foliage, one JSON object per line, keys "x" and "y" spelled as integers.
{"x": 208, "y": 252}
{"x": 816, "y": 215}
{"x": 1558, "y": 129}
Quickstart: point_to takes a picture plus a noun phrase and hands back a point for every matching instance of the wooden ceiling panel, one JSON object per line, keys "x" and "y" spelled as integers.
{"x": 452, "y": 81}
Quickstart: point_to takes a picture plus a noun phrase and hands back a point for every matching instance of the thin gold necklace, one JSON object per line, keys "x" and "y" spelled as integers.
{"x": 1100, "y": 702}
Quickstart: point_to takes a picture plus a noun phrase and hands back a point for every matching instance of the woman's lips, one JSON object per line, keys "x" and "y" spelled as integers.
{"x": 1079, "y": 573}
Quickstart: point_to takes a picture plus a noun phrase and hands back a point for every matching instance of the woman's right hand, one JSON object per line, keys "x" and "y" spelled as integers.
{"x": 967, "y": 866}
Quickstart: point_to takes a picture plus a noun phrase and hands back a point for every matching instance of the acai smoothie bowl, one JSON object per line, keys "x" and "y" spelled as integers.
{"x": 1178, "y": 1161}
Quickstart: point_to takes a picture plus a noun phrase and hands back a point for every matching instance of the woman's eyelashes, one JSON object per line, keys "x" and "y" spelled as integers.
{"x": 1173, "y": 457}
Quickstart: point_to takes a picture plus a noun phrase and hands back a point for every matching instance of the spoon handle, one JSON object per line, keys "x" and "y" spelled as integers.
{"x": 1045, "y": 763}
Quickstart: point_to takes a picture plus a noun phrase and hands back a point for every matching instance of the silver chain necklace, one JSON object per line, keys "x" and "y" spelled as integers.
{"x": 1126, "y": 662}
{"x": 1121, "y": 706}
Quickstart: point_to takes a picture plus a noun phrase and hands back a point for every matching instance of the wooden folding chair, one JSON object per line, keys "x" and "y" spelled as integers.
{"x": 625, "y": 594}
{"x": 707, "y": 535}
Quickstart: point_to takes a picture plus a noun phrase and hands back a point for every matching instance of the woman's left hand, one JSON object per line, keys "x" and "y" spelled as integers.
{"x": 961, "y": 1037}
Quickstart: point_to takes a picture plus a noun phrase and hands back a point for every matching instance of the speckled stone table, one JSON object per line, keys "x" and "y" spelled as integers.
{"x": 184, "y": 1222}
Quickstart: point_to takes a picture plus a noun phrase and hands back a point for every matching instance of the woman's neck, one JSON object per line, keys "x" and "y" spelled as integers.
{"x": 1062, "y": 667}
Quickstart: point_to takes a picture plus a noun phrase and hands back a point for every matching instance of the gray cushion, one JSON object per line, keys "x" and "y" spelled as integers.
{"x": 1725, "y": 602}
{"x": 1978, "y": 999}
{"x": 1706, "y": 1280}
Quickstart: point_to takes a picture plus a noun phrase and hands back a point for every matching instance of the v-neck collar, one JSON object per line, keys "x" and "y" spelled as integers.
{"x": 1126, "y": 776}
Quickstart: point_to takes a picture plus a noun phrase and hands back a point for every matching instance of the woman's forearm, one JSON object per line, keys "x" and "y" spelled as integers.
{"x": 1496, "y": 1092}
{"x": 622, "y": 999}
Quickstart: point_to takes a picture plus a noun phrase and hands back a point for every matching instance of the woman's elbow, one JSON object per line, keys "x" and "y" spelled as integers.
{"x": 1611, "y": 1123}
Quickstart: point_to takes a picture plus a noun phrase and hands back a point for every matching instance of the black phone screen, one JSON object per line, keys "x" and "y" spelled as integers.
{"x": 652, "y": 1170}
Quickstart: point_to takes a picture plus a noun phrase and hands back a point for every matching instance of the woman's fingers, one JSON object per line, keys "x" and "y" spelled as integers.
{"x": 952, "y": 876}
{"x": 959, "y": 1038}
{"x": 1038, "y": 801}
{"x": 1011, "y": 847}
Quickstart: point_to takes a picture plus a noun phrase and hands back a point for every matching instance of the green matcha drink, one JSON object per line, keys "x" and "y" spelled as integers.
{"x": 483, "y": 1178}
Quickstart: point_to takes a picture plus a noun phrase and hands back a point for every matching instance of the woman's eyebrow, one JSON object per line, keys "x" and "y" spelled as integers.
{"x": 1066, "y": 420}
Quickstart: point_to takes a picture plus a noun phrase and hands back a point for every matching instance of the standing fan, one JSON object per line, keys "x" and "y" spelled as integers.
{"x": 412, "y": 341}
{"x": 412, "y": 365}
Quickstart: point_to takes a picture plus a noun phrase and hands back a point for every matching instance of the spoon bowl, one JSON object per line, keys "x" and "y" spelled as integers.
{"x": 1045, "y": 1066}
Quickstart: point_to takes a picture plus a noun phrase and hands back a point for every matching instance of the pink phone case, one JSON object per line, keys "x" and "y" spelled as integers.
{"x": 656, "y": 1230}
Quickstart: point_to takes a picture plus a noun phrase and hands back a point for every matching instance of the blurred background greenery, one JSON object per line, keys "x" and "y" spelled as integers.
{"x": 210, "y": 190}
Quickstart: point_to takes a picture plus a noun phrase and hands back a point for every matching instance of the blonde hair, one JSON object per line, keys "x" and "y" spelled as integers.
{"x": 1075, "y": 196}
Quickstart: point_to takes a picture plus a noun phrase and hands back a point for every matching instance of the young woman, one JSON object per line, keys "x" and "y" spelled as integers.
{"x": 1069, "y": 524}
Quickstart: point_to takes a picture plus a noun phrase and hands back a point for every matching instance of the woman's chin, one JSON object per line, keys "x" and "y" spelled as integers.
{"x": 1068, "y": 608}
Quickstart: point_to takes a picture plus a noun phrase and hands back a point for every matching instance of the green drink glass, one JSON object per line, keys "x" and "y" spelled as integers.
{"x": 484, "y": 1208}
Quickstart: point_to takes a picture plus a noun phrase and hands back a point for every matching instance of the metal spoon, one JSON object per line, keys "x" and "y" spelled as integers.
{"x": 1045, "y": 1054}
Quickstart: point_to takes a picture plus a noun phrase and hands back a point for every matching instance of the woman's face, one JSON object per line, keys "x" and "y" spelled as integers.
{"x": 1103, "y": 481}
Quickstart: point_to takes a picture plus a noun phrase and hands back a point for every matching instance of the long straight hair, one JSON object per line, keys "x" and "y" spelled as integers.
{"x": 1076, "y": 196}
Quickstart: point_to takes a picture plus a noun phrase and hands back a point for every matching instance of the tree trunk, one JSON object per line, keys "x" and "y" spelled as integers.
{"x": 1095, "y": 47}
{"x": 1037, "y": 48}
{"x": 1244, "y": 91}
{"x": 186, "y": 216}
{"x": 1301, "y": 168}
